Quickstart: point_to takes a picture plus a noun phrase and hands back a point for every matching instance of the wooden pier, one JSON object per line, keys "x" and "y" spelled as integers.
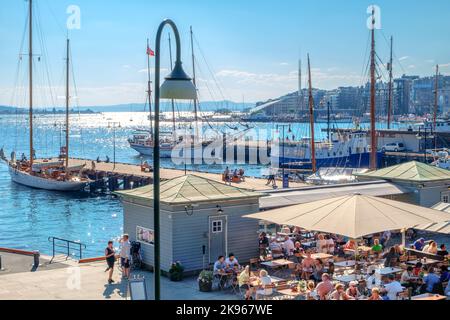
{"x": 107, "y": 176}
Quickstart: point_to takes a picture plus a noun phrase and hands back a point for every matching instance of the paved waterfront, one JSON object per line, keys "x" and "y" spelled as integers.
{"x": 68, "y": 280}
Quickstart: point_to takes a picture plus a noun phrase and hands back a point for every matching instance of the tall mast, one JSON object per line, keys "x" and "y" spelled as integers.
{"x": 311, "y": 119}
{"x": 172, "y": 101}
{"x": 193, "y": 77}
{"x": 328, "y": 120}
{"x": 373, "y": 136}
{"x": 436, "y": 98}
{"x": 30, "y": 114}
{"x": 149, "y": 89}
{"x": 390, "y": 88}
{"x": 67, "y": 104}
{"x": 300, "y": 84}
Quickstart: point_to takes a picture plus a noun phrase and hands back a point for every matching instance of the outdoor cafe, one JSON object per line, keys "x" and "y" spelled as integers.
{"x": 346, "y": 248}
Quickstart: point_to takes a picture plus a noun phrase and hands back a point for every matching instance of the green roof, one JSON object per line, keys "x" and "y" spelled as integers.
{"x": 411, "y": 171}
{"x": 190, "y": 189}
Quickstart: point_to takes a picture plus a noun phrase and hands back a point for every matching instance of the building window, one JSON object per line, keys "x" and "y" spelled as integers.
{"x": 216, "y": 226}
{"x": 144, "y": 235}
{"x": 445, "y": 198}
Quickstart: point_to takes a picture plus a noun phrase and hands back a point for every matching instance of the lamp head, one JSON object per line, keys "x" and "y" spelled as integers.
{"x": 178, "y": 85}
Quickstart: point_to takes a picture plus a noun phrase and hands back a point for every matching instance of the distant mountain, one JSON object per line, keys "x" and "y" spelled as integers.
{"x": 180, "y": 106}
{"x": 136, "y": 107}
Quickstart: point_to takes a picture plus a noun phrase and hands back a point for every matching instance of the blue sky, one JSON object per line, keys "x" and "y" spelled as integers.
{"x": 252, "y": 47}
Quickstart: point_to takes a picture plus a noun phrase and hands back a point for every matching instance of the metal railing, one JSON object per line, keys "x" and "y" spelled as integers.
{"x": 64, "y": 246}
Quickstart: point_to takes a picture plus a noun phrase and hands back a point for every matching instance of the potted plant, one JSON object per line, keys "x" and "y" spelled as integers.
{"x": 176, "y": 271}
{"x": 205, "y": 281}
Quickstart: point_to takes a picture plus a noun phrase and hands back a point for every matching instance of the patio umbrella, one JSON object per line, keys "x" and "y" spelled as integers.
{"x": 353, "y": 216}
{"x": 443, "y": 227}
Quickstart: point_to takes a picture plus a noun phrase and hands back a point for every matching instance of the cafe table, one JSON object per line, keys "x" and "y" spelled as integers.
{"x": 388, "y": 270}
{"x": 429, "y": 296}
{"x": 347, "y": 278}
{"x": 274, "y": 280}
{"x": 278, "y": 263}
{"x": 319, "y": 256}
{"x": 426, "y": 262}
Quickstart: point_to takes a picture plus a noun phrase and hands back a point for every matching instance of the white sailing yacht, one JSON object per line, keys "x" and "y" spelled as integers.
{"x": 55, "y": 176}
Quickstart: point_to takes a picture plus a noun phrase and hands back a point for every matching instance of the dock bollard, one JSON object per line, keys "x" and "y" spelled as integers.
{"x": 36, "y": 256}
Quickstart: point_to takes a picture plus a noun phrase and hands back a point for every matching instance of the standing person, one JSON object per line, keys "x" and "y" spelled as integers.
{"x": 110, "y": 256}
{"x": 125, "y": 255}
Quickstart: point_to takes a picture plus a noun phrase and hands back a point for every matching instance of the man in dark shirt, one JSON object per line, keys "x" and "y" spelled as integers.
{"x": 442, "y": 251}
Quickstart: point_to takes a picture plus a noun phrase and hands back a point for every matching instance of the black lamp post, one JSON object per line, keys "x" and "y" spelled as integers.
{"x": 177, "y": 85}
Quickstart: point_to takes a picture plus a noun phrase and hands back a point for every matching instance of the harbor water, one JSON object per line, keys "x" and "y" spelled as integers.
{"x": 28, "y": 217}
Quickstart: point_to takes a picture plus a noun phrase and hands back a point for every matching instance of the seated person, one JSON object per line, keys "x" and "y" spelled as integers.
{"x": 318, "y": 269}
{"x": 392, "y": 258}
{"x": 288, "y": 246}
{"x": 231, "y": 262}
{"x": 298, "y": 251}
{"x": 430, "y": 280}
{"x": 219, "y": 270}
{"x": 417, "y": 270}
{"x": 392, "y": 288}
{"x": 244, "y": 280}
{"x": 407, "y": 279}
{"x": 322, "y": 244}
{"x": 265, "y": 280}
{"x": 447, "y": 289}
{"x": 330, "y": 269}
{"x": 263, "y": 244}
{"x": 276, "y": 248}
{"x": 445, "y": 275}
{"x": 352, "y": 290}
{"x": 431, "y": 247}
{"x": 442, "y": 251}
{"x": 311, "y": 292}
{"x": 330, "y": 244}
{"x": 324, "y": 287}
{"x": 377, "y": 248}
{"x": 350, "y": 245}
{"x": 372, "y": 280}
{"x": 307, "y": 266}
{"x": 339, "y": 293}
{"x": 419, "y": 244}
{"x": 375, "y": 294}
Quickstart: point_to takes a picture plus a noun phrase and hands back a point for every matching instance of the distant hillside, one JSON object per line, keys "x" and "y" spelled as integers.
{"x": 167, "y": 106}
{"x": 136, "y": 107}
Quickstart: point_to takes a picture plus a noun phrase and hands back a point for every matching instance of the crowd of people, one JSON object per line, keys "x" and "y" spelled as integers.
{"x": 377, "y": 253}
{"x": 236, "y": 175}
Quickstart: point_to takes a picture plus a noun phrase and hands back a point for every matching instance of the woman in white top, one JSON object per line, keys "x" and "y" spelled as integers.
{"x": 322, "y": 244}
{"x": 330, "y": 244}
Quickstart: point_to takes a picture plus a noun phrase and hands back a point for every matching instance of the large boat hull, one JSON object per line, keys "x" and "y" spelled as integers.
{"x": 361, "y": 160}
{"x": 28, "y": 180}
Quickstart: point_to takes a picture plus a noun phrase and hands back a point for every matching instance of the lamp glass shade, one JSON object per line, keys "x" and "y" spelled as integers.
{"x": 178, "y": 85}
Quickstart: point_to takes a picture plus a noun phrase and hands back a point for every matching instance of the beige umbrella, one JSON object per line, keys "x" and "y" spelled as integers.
{"x": 443, "y": 227}
{"x": 353, "y": 216}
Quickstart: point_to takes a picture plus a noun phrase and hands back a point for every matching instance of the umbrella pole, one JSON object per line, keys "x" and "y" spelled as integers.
{"x": 404, "y": 238}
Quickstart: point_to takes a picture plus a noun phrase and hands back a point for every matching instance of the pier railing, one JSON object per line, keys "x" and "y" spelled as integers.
{"x": 63, "y": 246}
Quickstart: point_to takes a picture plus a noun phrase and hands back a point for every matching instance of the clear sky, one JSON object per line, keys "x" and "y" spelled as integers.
{"x": 251, "y": 46}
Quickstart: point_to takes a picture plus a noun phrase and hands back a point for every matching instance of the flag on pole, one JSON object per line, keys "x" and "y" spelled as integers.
{"x": 150, "y": 52}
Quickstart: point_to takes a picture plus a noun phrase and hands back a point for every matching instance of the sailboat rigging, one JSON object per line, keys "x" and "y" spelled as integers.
{"x": 57, "y": 176}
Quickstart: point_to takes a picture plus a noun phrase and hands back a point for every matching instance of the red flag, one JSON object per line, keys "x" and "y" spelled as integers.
{"x": 150, "y": 52}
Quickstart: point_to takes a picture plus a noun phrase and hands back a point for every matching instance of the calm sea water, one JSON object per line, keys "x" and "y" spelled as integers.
{"x": 29, "y": 216}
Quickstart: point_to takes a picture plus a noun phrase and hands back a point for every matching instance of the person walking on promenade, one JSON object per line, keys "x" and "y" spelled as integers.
{"x": 110, "y": 256}
{"x": 125, "y": 255}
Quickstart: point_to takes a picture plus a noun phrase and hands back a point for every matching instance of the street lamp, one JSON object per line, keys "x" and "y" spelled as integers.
{"x": 177, "y": 85}
{"x": 112, "y": 124}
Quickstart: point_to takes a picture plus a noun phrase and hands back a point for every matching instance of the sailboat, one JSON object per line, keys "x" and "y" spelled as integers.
{"x": 56, "y": 176}
{"x": 349, "y": 148}
{"x": 142, "y": 140}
